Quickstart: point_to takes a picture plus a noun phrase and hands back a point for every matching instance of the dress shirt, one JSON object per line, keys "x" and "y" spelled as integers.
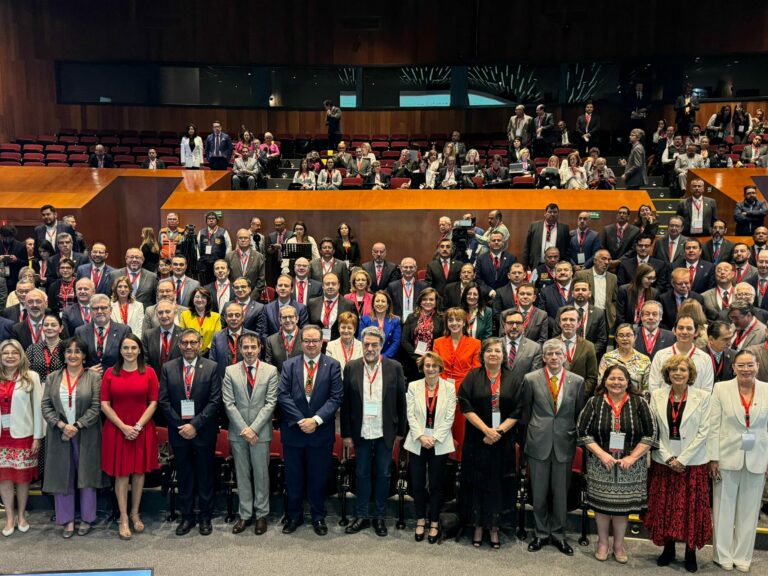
{"x": 373, "y": 426}
{"x": 316, "y": 360}
{"x": 600, "y": 290}
{"x": 552, "y": 239}
{"x": 69, "y": 411}
{"x": 408, "y": 297}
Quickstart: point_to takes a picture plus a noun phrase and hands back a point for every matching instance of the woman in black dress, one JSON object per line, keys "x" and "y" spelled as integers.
{"x": 345, "y": 246}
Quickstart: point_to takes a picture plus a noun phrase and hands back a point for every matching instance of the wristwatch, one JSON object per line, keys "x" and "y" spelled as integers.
{"x": 138, "y": 427}
{"x": 78, "y": 425}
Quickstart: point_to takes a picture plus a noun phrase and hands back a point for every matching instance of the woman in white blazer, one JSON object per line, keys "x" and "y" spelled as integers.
{"x": 191, "y": 148}
{"x": 21, "y": 429}
{"x": 346, "y": 347}
{"x": 125, "y": 309}
{"x": 431, "y": 407}
{"x": 737, "y": 448}
{"x": 678, "y": 489}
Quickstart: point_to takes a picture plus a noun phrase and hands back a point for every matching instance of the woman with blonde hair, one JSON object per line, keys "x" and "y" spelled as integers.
{"x": 572, "y": 174}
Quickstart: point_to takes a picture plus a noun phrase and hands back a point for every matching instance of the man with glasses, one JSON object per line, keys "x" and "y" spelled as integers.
{"x": 161, "y": 343}
{"x": 143, "y": 282}
{"x": 246, "y": 262}
{"x": 649, "y": 336}
{"x": 190, "y": 400}
{"x": 98, "y": 270}
{"x": 166, "y": 290}
{"x": 225, "y": 348}
{"x": 672, "y": 299}
{"x": 523, "y": 354}
{"x": 254, "y": 315}
{"x": 101, "y": 335}
{"x": 285, "y": 343}
{"x": 309, "y": 394}
{"x": 283, "y": 290}
{"x": 30, "y": 330}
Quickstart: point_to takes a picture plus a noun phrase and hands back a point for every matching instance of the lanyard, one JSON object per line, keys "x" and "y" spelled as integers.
{"x": 747, "y": 406}
{"x": 495, "y": 387}
{"x": 527, "y": 317}
{"x": 676, "y": 409}
{"x": 233, "y": 346}
{"x": 328, "y": 269}
{"x": 288, "y": 348}
{"x": 66, "y": 291}
{"x": 35, "y": 334}
{"x": 563, "y": 293}
{"x": 431, "y": 405}
{"x": 96, "y": 276}
{"x": 311, "y": 371}
{"x": 347, "y": 356}
{"x": 124, "y": 312}
{"x": 716, "y": 366}
{"x": 251, "y": 381}
{"x": 617, "y": 410}
{"x": 244, "y": 258}
{"x": 650, "y": 340}
{"x": 407, "y": 291}
{"x": 134, "y": 277}
{"x": 675, "y": 352}
{"x": 739, "y": 339}
{"x": 221, "y": 290}
{"x": 48, "y": 356}
{"x": 189, "y": 375}
{"x": 328, "y": 311}
{"x": 372, "y": 377}
{"x": 569, "y": 353}
{"x": 71, "y": 386}
{"x": 86, "y": 316}
{"x": 560, "y": 384}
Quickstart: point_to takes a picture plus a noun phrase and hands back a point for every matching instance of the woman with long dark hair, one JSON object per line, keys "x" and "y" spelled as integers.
{"x": 632, "y": 296}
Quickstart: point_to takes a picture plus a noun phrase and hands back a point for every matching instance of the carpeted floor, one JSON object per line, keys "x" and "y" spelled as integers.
{"x": 223, "y": 553}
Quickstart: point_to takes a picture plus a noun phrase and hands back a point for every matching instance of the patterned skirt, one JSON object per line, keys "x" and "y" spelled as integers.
{"x": 18, "y": 464}
{"x": 616, "y": 491}
{"x": 678, "y": 506}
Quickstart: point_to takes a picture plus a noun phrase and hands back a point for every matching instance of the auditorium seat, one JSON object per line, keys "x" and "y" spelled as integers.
{"x": 419, "y": 144}
{"x": 540, "y": 161}
{"x": 500, "y": 151}
{"x": 78, "y": 158}
{"x": 67, "y": 132}
{"x": 76, "y": 149}
{"x": 67, "y": 139}
{"x": 115, "y": 150}
{"x": 9, "y": 163}
{"x": 33, "y": 147}
{"x": 170, "y": 141}
{"x": 10, "y": 147}
{"x": 354, "y": 145}
{"x": 56, "y": 148}
{"x": 396, "y": 183}
{"x": 88, "y": 132}
{"x": 380, "y": 137}
{"x": 562, "y": 151}
{"x": 391, "y": 155}
{"x": 26, "y": 139}
{"x": 421, "y": 275}
{"x": 80, "y": 165}
{"x": 734, "y": 158}
{"x": 130, "y": 141}
{"x": 34, "y": 163}
{"x": 140, "y": 150}
{"x": 33, "y": 157}
{"x": 168, "y": 134}
{"x": 388, "y": 163}
{"x": 164, "y": 151}
{"x": 399, "y": 136}
{"x": 351, "y": 183}
{"x": 523, "y": 182}
{"x": 109, "y": 140}
{"x": 148, "y": 134}
{"x": 738, "y": 148}
{"x": 170, "y": 160}
{"x": 121, "y": 159}
{"x": 398, "y": 145}
{"x": 88, "y": 140}
{"x": 151, "y": 141}
{"x": 48, "y": 139}
{"x": 478, "y": 181}
{"x": 57, "y": 165}
{"x": 56, "y": 159}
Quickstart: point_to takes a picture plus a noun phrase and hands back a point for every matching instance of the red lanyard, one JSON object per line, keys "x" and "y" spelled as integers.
{"x": 35, "y": 335}
{"x": 100, "y": 341}
{"x": 328, "y": 310}
{"x": 563, "y": 293}
{"x": 559, "y": 386}
{"x": 124, "y": 312}
{"x": 569, "y": 353}
{"x": 66, "y": 290}
{"x": 165, "y": 344}
{"x": 330, "y": 266}
{"x": 251, "y": 380}
{"x": 189, "y": 375}
{"x": 495, "y": 387}
{"x": 86, "y": 317}
{"x": 372, "y": 377}
{"x": 582, "y": 239}
{"x": 747, "y": 406}
{"x": 288, "y": 348}
{"x": 96, "y": 277}
{"x": 244, "y": 258}
{"x": 311, "y": 371}
{"x": 739, "y": 339}
{"x": 134, "y": 277}
{"x": 71, "y": 386}
{"x": 650, "y": 341}
{"x": 347, "y": 356}
{"x": 617, "y": 410}
{"x": 527, "y": 317}
{"x": 716, "y": 366}
{"x": 221, "y": 290}
{"x": 48, "y": 356}
{"x": 676, "y": 409}
{"x": 233, "y": 346}
{"x": 431, "y": 405}
{"x": 180, "y": 285}
{"x": 675, "y": 352}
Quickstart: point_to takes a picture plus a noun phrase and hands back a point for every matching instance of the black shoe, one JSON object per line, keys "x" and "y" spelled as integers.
{"x": 666, "y": 557}
{"x": 321, "y": 528}
{"x": 380, "y": 527}
{"x": 690, "y": 560}
{"x": 241, "y": 525}
{"x": 420, "y": 536}
{"x": 563, "y": 546}
{"x": 434, "y": 539}
{"x": 184, "y": 527}
{"x": 290, "y": 526}
{"x": 537, "y": 544}
{"x": 205, "y": 527}
{"x": 357, "y": 525}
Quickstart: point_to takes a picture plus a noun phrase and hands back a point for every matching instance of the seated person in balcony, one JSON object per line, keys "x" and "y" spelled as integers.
{"x": 695, "y": 136}
{"x": 404, "y": 167}
{"x": 100, "y": 158}
{"x": 448, "y": 151}
{"x": 315, "y": 163}
{"x": 367, "y": 152}
{"x": 721, "y": 158}
{"x": 669, "y": 157}
{"x": 684, "y": 162}
{"x": 602, "y": 177}
{"x": 459, "y": 147}
{"x": 431, "y": 167}
{"x": 525, "y": 160}
{"x": 153, "y": 162}
{"x": 549, "y": 177}
{"x": 472, "y": 161}
{"x": 272, "y": 153}
{"x": 245, "y": 171}
{"x": 514, "y": 152}
{"x": 342, "y": 158}
{"x": 754, "y": 151}
{"x": 376, "y": 180}
{"x": 572, "y": 175}
{"x": 564, "y": 137}
{"x": 704, "y": 151}
{"x": 589, "y": 162}
{"x": 496, "y": 173}
{"x": 305, "y": 178}
{"x": 245, "y": 141}
{"x": 449, "y": 176}
{"x": 329, "y": 178}
{"x": 360, "y": 166}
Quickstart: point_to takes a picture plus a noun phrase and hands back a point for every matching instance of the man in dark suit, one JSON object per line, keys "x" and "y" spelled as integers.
{"x": 218, "y": 147}
{"x": 649, "y": 337}
{"x": 225, "y": 350}
{"x": 675, "y": 296}
{"x": 100, "y": 158}
{"x": 165, "y": 291}
{"x": 719, "y": 338}
{"x": 603, "y": 286}
{"x": 324, "y": 310}
{"x": 628, "y": 265}
{"x": 459, "y": 148}
{"x": 275, "y": 242}
{"x": 454, "y": 291}
{"x": 744, "y": 293}
{"x": 79, "y": 313}
{"x": 190, "y": 400}
{"x": 246, "y": 262}
{"x": 669, "y": 248}
{"x": 635, "y": 169}
{"x": 449, "y": 177}
{"x": 443, "y": 270}
{"x": 759, "y": 243}
{"x": 381, "y": 271}
{"x": 30, "y": 330}
{"x": 743, "y": 269}
{"x": 98, "y": 270}
{"x": 285, "y": 343}
{"x": 405, "y": 291}
{"x": 698, "y": 213}
{"x": 718, "y": 248}
{"x": 373, "y": 420}
{"x": 619, "y": 238}
{"x": 183, "y": 283}
{"x": 559, "y": 294}
{"x": 587, "y": 127}
{"x": 254, "y": 313}
{"x": 64, "y": 249}
{"x": 523, "y": 354}
{"x": 13, "y": 254}
{"x": 18, "y": 312}
{"x": 506, "y": 296}
{"x": 161, "y": 343}
{"x": 543, "y": 133}
{"x": 360, "y": 166}
{"x": 592, "y": 320}
{"x": 584, "y": 243}
{"x": 309, "y": 394}
{"x": 143, "y": 282}
{"x": 701, "y": 273}
{"x": 283, "y": 289}
{"x": 49, "y": 229}
{"x": 221, "y": 288}
{"x": 101, "y": 335}
{"x": 319, "y": 267}
{"x": 152, "y": 162}
{"x": 493, "y": 267}
{"x": 579, "y": 352}
{"x": 545, "y": 233}
{"x": 304, "y": 286}
{"x": 535, "y": 320}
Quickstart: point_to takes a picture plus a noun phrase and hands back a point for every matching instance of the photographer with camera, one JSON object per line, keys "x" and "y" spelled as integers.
{"x": 213, "y": 243}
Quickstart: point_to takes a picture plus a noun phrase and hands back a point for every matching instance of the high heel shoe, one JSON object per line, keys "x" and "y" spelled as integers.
{"x": 497, "y": 544}
{"x": 477, "y": 542}
{"x": 419, "y": 536}
{"x": 138, "y": 525}
{"x": 436, "y": 538}
{"x": 124, "y": 530}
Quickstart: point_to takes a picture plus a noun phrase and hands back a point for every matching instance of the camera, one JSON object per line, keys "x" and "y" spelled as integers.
{"x": 460, "y": 237}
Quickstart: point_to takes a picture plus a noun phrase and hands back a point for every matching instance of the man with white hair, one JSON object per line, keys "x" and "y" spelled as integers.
{"x": 101, "y": 335}
{"x": 30, "y": 330}
{"x": 745, "y": 292}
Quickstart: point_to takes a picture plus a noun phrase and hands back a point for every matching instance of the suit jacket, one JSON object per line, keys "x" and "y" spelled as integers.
{"x": 527, "y": 358}
{"x": 705, "y": 275}
{"x": 220, "y": 352}
{"x": 665, "y": 339}
{"x": 452, "y": 294}
{"x": 709, "y": 215}
{"x": 727, "y": 424}
{"x": 225, "y": 146}
{"x": 188, "y": 286}
{"x": 370, "y": 180}
{"x": 212, "y": 288}
{"x": 694, "y": 426}
{"x": 488, "y": 275}
{"x": 611, "y": 292}
{"x": 618, "y": 248}
{"x": 389, "y": 273}
{"x": 313, "y": 289}
{"x": 636, "y": 170}
{"x": 276, "y": 354}
{"x": 107, "y": 161}
{"x": 39, "y": 236}
{"x": 338, "y": 268}
{"x": 582, "y": 128}
{"x": 105, "y": 281}
{"x": 254, "y": 317}
{"x": 435, "y": 278}
{"x": 584, "y": 364}
{"x": 547, "y": 430}
{"x": 669, "y": 305}
{"x": 592, "y": 244}
{"x": 445, "y": 411}
{"x": 316, "y": 309}
{"x": 151, "y": 321}
{"x": 759, "y": 313}
{"x": 12, "y": 313}
{"x": 87, "y": 333}
{"x": 206, "y": 393}
{"x": 72, "y": 318}
{"x": 661, "y": 249}
{"x": 22, "y": 334}
{"x": 146, "y": 291}
{"x": 150, "y": 341}
{"x": 526, "y": 129}
{"x": 393, "y": 413}
{"x": 537, "y": 328}
{"x": 535, "y": 238}
{"x": 550, "y": 300}
{"x": 395, "y": 290}
{"x": 159, "y": 164}
{"x": 272, "y": 311}
{"x": 596, "y": 330}
{"x": 325, "y": 400}
{"x": 504, "y": 300}
{"x": 628, "y": 266}
{"x": 713, "y": 303}
{"x": 246, "y": 409}
{"x": 362, "y": 170}
{"x": 626, "y": 304}
{"x": 5, "y": 329}
{"x": 725, "y": 370}
{"x": 254, "y": 270}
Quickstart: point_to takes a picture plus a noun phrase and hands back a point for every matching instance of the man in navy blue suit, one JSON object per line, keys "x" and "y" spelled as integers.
{"x": 101, "y": 335}
{"x": 584, "y": 243}
{"x": 284, "y": 292}
{"x": 218, "y": 148}
{"x": 225, "y": 349}
{"x": 51, "y": 227}
{"x": 493, "y": 266}
{"x": 309, "y": 395}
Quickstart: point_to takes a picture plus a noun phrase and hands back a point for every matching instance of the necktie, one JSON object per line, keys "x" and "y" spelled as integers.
{"x": 671, "y": 251}
{"x": 580, "y": 330}
{"x": 445, "y": 269}
{"x": 178, "y": 290}
{"x": 691, "y": 273}
{"x": 512, "y": 353}
{"x": 250, "y": 381}
{"x": 100, "y": 342}
{"x": 165, "y": 348}
{"x": 134, "y": 286}
{"x": 216, "y": 151}
{"x": 22, "y": 315}
{"x": 553, "y": 390}
{"x": 86, "y": 314}
{"x": 496, "y": 262}
{"x": 301, "y": 291}
{"x": 310, "y": 378}
{"x": 726, "y": 297}
{"x": 233, "y": 344}
{"x": 288, "y": 338}
{"x": 737, "y": 340}
{"x": 716, "y": 252}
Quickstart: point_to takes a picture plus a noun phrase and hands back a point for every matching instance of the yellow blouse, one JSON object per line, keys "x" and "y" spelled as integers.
{"x": 211, "y": 325}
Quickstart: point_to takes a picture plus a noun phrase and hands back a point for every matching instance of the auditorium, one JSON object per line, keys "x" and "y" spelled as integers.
{"x": 470, "y": 287}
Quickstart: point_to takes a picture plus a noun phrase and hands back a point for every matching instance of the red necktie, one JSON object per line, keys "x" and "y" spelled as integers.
{"x": 671, "y": 251}
{"x": 496, "y": 262}
{"x": 445, "y": 269}
{"x": 691, "y": 273}
{"x": 301, "y": 291}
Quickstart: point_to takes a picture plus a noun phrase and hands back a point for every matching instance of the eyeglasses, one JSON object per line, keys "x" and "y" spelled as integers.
{"x": 188, "y": 343}
{"x": 313, "y": 341}
{"x": 96, "y": 308}
{"x": 513, "y": 322}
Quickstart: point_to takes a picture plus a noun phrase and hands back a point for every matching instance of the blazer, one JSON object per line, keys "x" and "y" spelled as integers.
{"x": 339, "y": 268}
{"x": 389, "y": 273}
{"x": 618, "y": 248}
{"x": 188, "y": 286}
{"x": 392, "y": 332}
{"x": 146, "y": 290}
{"x": 713, "y": 303}
{"x": 159, "y": 164}
{"x": 26, "y": 413}
{"x": 225, "y": 145}
{"x": 537, "y": 328}
{"x": 636, "y": 170}
{"x": 72, "y": 318}
{"x": 628, "y": 266}
{"x": 393, "y": 413}
{"x": 665, "y": 339}
{"x": 669, "y": 307}
{"x": 547, "y": 430}
{"x": 316, "y": 311}
{"x": 39, "y": 236}
{"x": 550, "y": 300}
{"x": 435, "y": 277}
{"x": 727, "y": 424}
{"x": 709, "y": 214}
{"x": 694, "y": 426}
{"x": 249, "y": 410}
{"x": 363, "y": 307}
{"x": 584, "y": 364}
{"x": 458, "y": 361}
{"x": 359, "y": 167}
{"x": 445, "y": 411}
{"x": 206, "y": 393}
{"x": 335, "y": 180}
{"x": 151, "y": 321}
{"x": 105, "y": 281}
{"x": 276, "y": 354}
{"x": 87, "y": 333}
{"x": 535, "y": 238}
{"x": 191, "y": 158}
{"x": 211, "y": 325}
{"x": 483, "y": 327}
{"x": 352, "y": 256}
{"x": 254, "y": 270}
{"x": 313, "y": 289}
{"x": 611, "y": 292}
{"x": 336, "y": 351}
{"x": 583, "y": 128}
{"x": 592, "y": 244}
{"x": 325, "y": 400}
{"x": 395, "y": 290}
{"x": 527, "y": 359}
{"x": 626, "y": 304}
{"x": 596, "y": 330}
{"x": 661, "y": 249}
{"x": 526, "y": 129}
{"x": 135, "y": 316}
{"x": 370, "y": 180}
{"x": 230, "y": 295}
{"x": 107, "y": 161}
{"x": 150, "y": 341}
{"x": 704, "y": 279}
{"x": 220, "y": 352}
{"x": 272, "y": 312}
{"x": 488, "y": 275}
{"x": 254, "y": 317}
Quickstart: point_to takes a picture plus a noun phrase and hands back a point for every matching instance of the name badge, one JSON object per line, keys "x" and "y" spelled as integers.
{"x": 326, "y": 334}
{"x": 617, "y": 441}
{"x": 469, "y": 252}
{"x": 495, "y": 420}
{"x": 5, "y": 421}
{"x": 187, "y": 409}
{"x": 675, "y": 447}
{"x": 429, "y": 432}
{"x": 581, "y": 258}
{"x": 421, "y": 348}
{"x": 371, "y": 409}
{"x": 747, "y": 441}
{"x": 208, "y": 250}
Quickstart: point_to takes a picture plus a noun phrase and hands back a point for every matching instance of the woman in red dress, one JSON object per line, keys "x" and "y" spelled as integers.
{"x": 460, "y": 354}
{"x": 129, "y": 444}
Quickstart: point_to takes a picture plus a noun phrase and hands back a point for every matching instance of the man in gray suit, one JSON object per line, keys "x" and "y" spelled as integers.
{"x": 247, "y": 263}
{"x": 249, "y": 393}
{"x": 699, "y": 214}
{"x": 319, "y": 267}
{"x": 749, "y": 330}
{"x": 143, "y": 282}
{"x": 161, "y": 343}
{"x": 183, "y": 285}
{"x": 535, "y": 320}
{"x": 523, "y": 355}
{"x": 284, "y": 343}
{"x": 552, "y": 400}
{"x": 635, "y": 169}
